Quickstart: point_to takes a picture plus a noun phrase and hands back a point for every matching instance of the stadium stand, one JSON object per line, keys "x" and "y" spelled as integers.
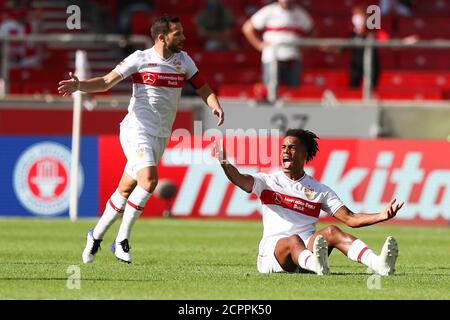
{"x": 406, "y": 74}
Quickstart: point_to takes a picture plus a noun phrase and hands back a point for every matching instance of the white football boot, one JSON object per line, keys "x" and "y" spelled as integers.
{"x": 388, "y": 257}
{"x": 320, "y": 253}
{"x": 122, "y": 250}
{"x": 92, "y": 246}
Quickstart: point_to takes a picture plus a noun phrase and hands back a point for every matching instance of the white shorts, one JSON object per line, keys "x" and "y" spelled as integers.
{"x": 267, "y": 263}
{"x": 141, "y": 150}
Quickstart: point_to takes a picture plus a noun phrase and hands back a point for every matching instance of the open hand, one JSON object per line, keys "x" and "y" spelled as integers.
{"x": 67, "y": 87}
{"x": 391, "y": 210}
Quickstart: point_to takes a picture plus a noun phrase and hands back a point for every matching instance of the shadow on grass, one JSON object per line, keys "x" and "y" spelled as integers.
{"x": 221, "y": 264}
{"x": 350, "y": 274}
{"x": 82, "y": 279}
{"x": 32, "y": 262}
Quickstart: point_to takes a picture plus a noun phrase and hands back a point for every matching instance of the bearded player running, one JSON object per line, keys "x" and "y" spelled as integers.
{"x": 158, "y": 75}
{"x": 291, "y": 203}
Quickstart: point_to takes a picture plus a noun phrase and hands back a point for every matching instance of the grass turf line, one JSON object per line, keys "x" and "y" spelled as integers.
{"x": 206, "y": 259}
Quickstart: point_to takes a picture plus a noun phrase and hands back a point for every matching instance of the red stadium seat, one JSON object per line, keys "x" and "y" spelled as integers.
{"x": 305, "y": 92}
{"x": 446, "y": 94}
{"x": 141, "y": 22}
{"x": 226, "y": 59}
{"x": 406, "y": 74}
{"x": 177, "y": 6}
{"x": 237, "y": 91}
{"x": 415, "y": 79}
{"x": 325, "y": 78}
{"x": 216, "y": 78}
{"x": 335, "y": 7}
{"x": 409, "y": 94}
{"x": 432, "y": 8}
{"x": 332, "y": 27}
{"x": 388, "y": 59}
{"x": 314, "y": 93}
{"x": 424, "y": 27}
{"x": 314, "y": 59}
{"x": 423, "y": 59}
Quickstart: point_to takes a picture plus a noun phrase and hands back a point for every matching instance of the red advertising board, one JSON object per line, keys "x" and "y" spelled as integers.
{"x": 365, "y": 173}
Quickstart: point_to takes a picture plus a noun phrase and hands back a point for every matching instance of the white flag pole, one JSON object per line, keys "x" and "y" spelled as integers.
{"x": 81, "y": 72}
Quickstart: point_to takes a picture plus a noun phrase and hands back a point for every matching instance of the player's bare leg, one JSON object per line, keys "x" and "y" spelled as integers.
{"x": 335, "y": 238}
{"x": 291, "y": 252}
{"x": 113, "y": 210}
{"x": 147, "y": 179}
{"x": 126, "y": 185}
{"x": 356, "y": 250}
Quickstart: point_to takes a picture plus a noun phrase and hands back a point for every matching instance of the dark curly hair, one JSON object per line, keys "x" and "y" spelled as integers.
{"x": 308, "y": 139}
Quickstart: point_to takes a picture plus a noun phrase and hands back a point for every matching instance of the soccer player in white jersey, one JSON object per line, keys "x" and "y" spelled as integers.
{"x": 291, "y": 203}
{"x": 158, "y": 75}
{"x": 282, "y": 24}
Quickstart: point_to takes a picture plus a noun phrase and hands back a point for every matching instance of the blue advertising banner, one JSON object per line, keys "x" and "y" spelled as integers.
{"x": 35, "y": 176}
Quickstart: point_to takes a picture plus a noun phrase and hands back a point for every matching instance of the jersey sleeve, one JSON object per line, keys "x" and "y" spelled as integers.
{"x": 259, "y": 183}
{"x": 308, "y": 22}
{"x": 129, "y": 65}
{"x": 191, "y": 68}
{"x": 259, "y": 18}
{"x": 331, "y": 202}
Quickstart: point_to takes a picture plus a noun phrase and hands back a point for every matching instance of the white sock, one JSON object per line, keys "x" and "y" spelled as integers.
{"x": 307, "y": 261}
{"x": 135, "y": 204}
{"x": 361, "y": 253}
{"x": 114, "y": 208}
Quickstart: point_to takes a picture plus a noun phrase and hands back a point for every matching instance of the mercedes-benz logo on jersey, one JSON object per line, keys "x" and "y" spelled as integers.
{"x": 277, "y": 198}
{"x": 41, "y": 178}
{"x": 150, "y": 78}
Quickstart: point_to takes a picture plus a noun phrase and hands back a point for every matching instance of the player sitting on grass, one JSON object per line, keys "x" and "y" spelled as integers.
{"x": 291, "y": 203}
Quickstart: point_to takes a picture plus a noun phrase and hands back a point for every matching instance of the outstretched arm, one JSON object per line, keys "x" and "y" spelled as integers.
{"x": 357, "y": 220}
{"x": 97, "y": 84}
{"x": 243, "y": 181}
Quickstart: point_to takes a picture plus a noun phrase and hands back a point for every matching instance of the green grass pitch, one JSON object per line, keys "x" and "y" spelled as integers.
{"x": 206, "y": 259}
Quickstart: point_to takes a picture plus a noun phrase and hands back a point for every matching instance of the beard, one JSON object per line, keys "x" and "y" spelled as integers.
{"x": 174, "y": 48}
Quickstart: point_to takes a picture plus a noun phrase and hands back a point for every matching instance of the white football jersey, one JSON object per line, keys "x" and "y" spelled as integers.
{"x": 157, "y": 85}
{"x": 281, "y": 27}
{"x": 292, "y": 207}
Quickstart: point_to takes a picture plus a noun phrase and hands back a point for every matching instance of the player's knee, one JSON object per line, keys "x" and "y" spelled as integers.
{"x": 149, "y": 184}
{"x": 125, "y": 191}
{"x": 333, "y": 233}
{"x": 294, "y": 241}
